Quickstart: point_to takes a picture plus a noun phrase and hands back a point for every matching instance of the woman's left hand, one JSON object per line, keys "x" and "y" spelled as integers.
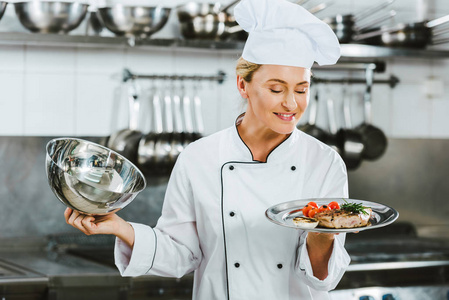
{"x": 319, "y": 247}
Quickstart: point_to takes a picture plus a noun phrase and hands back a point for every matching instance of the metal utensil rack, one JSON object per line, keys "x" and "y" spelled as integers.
{"x": 219, "y": 77}
{"x": 375, "y": 67}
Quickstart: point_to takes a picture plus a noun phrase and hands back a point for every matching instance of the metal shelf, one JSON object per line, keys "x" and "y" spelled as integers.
{"x": 349, "y": 51}
{"x": 367, "y": 51}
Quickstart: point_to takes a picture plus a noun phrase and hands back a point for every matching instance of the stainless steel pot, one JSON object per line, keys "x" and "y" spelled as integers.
{"x": 347, "y": 26}
{"x": 412, "y": 35}
{"x": 141, "y": 21}
{"x": 208, "y": 21}
{"x": 201, "y": 20}
{"x": 50, "y": 16}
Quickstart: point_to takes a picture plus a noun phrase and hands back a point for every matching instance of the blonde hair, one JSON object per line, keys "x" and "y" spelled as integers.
{"x": 246, "y": 69}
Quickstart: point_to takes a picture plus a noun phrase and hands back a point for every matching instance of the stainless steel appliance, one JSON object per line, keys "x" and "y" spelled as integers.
{"x": 395, "y": 264}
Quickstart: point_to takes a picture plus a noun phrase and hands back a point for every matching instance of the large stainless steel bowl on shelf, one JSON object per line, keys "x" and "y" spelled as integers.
{"x": 50, "y": 16}
{"x": 2, "y": 8}
{"x": 141, "y": 21}
{"x": 91, "y": 178}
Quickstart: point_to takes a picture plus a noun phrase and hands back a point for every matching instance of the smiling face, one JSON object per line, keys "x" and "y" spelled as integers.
{"x": 277, "y": 97}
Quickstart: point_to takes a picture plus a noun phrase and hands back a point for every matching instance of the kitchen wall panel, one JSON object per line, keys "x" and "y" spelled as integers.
{"x": 104, "y": 61}
{"x": 440, "y": 112}
{"x": 49, "y": 104}
{"x": 14, "y": 59}
{"x": 98, "y": 111}
{"x": 12, "y": 103}
{"x": 411, "y": 111}
{"x": 53, "y": 60}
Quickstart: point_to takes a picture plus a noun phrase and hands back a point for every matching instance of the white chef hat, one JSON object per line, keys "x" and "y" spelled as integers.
{"x": 284, "y": 33}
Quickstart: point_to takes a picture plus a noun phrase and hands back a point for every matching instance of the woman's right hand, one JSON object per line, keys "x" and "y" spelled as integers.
{"x": 107, "y": 224}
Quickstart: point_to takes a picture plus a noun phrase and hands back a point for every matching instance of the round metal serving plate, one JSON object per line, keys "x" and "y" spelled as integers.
{"x": 283, "y": 214}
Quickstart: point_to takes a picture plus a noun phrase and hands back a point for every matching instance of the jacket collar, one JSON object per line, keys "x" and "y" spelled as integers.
{"x": 278, "y": 154}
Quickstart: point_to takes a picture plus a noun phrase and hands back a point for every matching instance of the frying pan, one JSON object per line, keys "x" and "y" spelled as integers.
{"x": 126, "y": 141}
{"x": 413, "y": 35}
{"x": 374, "y": 140}
{"x": 310, "y": 127}
{"x": 331, "y": 139}
{"x": 350, "y": 141}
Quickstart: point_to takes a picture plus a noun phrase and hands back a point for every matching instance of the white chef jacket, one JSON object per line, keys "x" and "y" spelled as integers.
{"x": 213, "y": 221}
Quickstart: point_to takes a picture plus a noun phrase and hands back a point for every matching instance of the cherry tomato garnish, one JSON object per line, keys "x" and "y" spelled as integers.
{"x": 306, "y": 209}
{"x": 334, "y": 205}
{"x": 323, "y": 208}
{"x": 311, "y": 203}
{"x": 312, "y": 212}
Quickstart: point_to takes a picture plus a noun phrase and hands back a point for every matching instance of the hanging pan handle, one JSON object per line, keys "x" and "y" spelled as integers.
{"x": 369, "y": 73}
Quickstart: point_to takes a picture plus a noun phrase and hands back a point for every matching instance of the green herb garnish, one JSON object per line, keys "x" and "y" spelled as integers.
{"x": 354, "y": 208}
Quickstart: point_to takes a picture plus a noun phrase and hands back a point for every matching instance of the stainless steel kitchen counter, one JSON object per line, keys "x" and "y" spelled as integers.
{"x": 52, "y": 273}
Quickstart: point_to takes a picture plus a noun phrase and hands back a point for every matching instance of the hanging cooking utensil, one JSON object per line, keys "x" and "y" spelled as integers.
{"x": 374, "y": 140}
{"x": 126, "y": 140}
{"x": 350, "y": 141}
{"x": 412, "y": 35}
{"x": 178, "y": 130}
{"x": 186, "y": 105}
{"x": 331, "y": 139}
{"x": 147, "y": 146}
{"x": 162, "y": 146}
{"x": 310, "y": 127}
{"x": 197, "y": 112}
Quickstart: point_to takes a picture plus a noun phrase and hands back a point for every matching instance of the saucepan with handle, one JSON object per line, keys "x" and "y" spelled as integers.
{"x": 411, "y": 35}
{"x": 204, "y": 20}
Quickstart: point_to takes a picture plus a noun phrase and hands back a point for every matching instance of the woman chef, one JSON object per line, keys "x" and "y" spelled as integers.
{"x": 213, "y": 218}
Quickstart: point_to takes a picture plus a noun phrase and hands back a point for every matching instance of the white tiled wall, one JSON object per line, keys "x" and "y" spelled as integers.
{"x": 48, "y": 90}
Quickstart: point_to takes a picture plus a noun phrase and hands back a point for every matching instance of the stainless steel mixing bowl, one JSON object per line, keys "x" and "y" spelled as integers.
{"x": 50, "y": 16}
{"x": 91, "y": 178}
{"x": 2, "y": 8}
{"x": 134, "y": 20}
